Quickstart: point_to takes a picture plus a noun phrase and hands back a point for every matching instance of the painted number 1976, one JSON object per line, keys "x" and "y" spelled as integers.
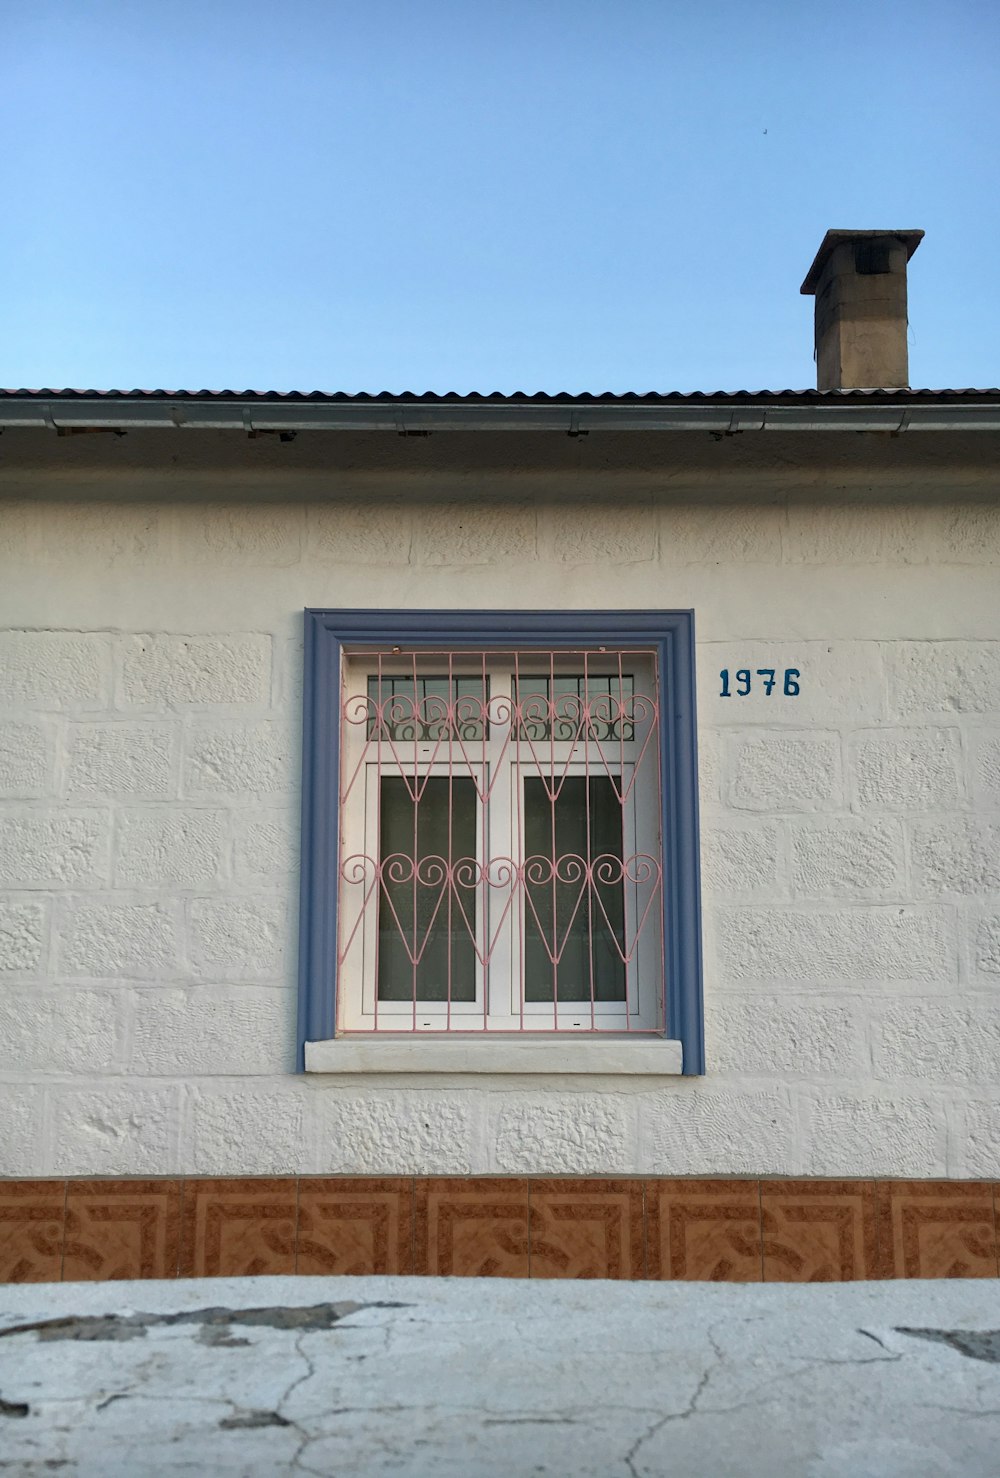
{"x": 768, "y": 679}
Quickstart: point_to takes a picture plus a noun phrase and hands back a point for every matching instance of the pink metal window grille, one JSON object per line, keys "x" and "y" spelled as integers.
{"x": 500, "y": 863}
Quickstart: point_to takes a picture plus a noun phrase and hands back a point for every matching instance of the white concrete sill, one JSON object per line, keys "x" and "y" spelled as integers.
{"x": 403, "y": 1054}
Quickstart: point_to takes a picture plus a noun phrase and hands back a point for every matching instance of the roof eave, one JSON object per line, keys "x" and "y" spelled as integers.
{"x": 886, "y": 413}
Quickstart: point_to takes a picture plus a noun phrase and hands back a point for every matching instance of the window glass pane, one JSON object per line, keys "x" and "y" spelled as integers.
{"x": 605, "y": 696}
{"x": 421, "y": 932}
{"x": 419, "y": 710}
{"x": 561, "y": 916}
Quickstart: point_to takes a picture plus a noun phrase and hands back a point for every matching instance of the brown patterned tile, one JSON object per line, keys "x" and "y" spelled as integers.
{"x": 31, "y": 1230}
{"x": 586, "y": 1228}
{"x": 817, "y": 1231}
{"x": 122, "y": 1229}
{"x": 354, "y": 1226}
{"x": 471, "y": 1228}
{"x": 936, "y": 1229}
{"x": 703, "y": 1229}
{"x": 236, "y": 1228}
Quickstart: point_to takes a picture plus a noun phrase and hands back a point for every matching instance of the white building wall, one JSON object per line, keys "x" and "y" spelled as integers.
{"x": 150, "y": 661}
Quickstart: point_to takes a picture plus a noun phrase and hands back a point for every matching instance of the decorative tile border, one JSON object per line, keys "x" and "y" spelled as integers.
{"x": 707, "y": 1230}
{"x": 121, "y": 1229}
{"x": 238, "y": 1228}
{"x": 820, "y": 1231}
{"x": 937, "y": 1229}
{"x": 354, "y": 1226}
{"x": 32, "y": 1228}
{"x": 500, "y": 1227}
{"x": 586, "y": 1229}
{"x": 471, "y": 1228}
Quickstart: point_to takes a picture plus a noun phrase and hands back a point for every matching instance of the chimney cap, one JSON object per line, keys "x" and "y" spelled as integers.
{"x": 910, "y": 239}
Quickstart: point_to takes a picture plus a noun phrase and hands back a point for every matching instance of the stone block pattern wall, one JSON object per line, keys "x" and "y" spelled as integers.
{"x": 740, "y": 1230}
{"x": 150, "y": 685}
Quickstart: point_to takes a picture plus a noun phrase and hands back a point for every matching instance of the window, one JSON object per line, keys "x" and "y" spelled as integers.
{"x": 500, "y": 841}
{"x": 500, "y": 831}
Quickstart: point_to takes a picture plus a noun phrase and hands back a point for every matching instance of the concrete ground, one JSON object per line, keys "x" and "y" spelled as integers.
{"x": 461, "y": 1378}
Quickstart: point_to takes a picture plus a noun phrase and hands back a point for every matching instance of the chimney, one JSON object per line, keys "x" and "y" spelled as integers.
{"x": 859, "y": 282}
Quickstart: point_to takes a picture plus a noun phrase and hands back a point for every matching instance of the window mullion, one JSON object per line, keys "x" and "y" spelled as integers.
{"x": 500, "y": 907}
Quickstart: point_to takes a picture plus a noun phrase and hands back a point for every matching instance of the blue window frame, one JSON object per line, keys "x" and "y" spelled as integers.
{"x": 670, "y": 633}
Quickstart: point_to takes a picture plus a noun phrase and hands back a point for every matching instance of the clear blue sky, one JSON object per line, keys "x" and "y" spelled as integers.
{"x": 484, "y": 194}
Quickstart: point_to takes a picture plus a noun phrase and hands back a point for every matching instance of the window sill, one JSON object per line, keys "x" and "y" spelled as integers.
{"x": 649, "y": 1056}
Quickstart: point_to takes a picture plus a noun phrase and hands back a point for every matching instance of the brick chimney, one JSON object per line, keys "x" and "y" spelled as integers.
{"x": 859, "y": 282}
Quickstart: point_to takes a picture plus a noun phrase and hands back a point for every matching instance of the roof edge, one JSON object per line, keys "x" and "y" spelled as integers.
{"x": 856, "y": 410}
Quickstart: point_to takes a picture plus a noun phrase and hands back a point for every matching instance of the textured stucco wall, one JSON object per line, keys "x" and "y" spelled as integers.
{"x": 150, "y": 612}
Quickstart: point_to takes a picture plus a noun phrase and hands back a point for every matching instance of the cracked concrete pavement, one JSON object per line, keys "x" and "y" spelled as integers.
{"x": 461, "y": 1378}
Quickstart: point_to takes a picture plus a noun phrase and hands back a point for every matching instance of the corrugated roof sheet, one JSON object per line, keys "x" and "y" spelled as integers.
{"x": 517, "y": 397}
